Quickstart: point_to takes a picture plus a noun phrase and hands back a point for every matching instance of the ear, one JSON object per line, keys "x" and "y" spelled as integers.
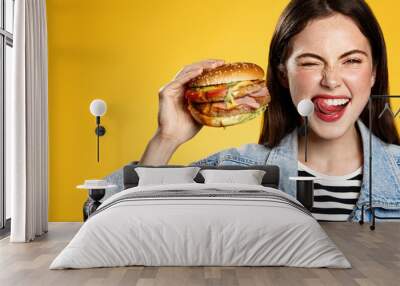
{"x": 282, "y": 76}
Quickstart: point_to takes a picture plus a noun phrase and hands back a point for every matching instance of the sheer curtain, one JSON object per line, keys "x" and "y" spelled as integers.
{"x": 27, "y": 124}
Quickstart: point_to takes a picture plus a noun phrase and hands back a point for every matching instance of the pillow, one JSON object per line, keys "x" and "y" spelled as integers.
{"x": 161, "y": 176}
{"x": 249, "y": 177}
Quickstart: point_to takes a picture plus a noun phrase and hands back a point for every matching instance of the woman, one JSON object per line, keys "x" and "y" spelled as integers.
{"x": 321, "y": 50}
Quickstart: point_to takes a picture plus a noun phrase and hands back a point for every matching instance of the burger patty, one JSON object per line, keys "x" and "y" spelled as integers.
{"x": 244, "y": 105}
{"x": 249, "y": 89}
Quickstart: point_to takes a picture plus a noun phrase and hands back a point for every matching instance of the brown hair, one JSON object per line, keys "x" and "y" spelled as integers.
{"x": 282, "y": 117}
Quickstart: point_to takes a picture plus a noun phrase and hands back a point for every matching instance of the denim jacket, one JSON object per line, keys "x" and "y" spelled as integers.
{"x": 385, "y": 169}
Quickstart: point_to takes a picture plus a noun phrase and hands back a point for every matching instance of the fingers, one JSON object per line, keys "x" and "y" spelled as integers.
{"x": 211, "y": 63}
{"x": 178, "y": 83}
{"x": 187, "y": 73}
{"x": 183, "y": 79}
{"x": 206, "y": 64}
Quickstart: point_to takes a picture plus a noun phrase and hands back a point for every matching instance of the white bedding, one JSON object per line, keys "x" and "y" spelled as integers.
{"x": 206, "y": 230}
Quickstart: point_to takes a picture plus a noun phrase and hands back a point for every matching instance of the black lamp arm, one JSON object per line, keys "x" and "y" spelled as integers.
{"x": 100, "y": 131}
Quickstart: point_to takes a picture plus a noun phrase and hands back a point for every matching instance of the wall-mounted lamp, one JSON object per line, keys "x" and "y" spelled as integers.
{"x": 98, "y": 108}
{"x": 305, "y": 109}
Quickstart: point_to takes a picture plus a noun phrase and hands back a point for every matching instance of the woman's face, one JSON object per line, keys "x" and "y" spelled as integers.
{"x": 331, "y": 58}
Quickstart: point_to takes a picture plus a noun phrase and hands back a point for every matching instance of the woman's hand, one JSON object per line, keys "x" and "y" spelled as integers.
{"x": 175, "y": 123}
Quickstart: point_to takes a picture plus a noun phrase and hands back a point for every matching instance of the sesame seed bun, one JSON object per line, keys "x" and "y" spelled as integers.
{"x": 228, "y": 73}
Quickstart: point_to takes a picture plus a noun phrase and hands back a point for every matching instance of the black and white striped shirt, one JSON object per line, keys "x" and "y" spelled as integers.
{"x": 334, "y": 196}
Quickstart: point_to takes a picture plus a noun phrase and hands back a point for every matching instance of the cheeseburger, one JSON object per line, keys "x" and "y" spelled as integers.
{"x": 227, "y": 95}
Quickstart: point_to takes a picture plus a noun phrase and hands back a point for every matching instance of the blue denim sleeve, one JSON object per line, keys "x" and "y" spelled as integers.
{"x": 217, "y": 158}
{"x": 244, "y": 155}
{"x": 211, "y": 160}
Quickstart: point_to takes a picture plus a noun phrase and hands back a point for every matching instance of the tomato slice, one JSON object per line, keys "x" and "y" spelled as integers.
{"x": 217, "y": 92}
{"x": 191, "y": 94}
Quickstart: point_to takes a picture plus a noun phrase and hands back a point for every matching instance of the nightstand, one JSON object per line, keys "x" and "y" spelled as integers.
{"x": 97, "y": 190}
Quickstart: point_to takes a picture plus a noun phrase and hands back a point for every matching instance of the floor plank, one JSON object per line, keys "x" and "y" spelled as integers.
{"x": 374, "y": 255}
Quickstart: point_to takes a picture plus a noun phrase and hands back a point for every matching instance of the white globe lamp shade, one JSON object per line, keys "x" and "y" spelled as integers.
{"x": 305, "y": 107}
{"x": 98, "y": 107}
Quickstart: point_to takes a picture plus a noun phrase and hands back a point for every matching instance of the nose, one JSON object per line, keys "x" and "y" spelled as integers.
{"x": 330, "y": 78}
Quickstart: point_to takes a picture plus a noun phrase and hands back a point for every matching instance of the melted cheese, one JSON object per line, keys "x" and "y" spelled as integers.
{"x": 231, "y": 104}
{"x": 233, "y": 89}
{"x": 241, "y": 84}
{"x": 229, "y": 101}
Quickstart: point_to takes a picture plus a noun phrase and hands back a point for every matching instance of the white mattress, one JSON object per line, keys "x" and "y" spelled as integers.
{"x": 207, "y": 230}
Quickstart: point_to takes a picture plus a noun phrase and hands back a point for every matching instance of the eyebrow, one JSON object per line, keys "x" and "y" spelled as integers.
{"x": 342, "y": 56}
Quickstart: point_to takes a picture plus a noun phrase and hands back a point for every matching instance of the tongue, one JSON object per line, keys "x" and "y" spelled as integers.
{"x": 328, "y": 109}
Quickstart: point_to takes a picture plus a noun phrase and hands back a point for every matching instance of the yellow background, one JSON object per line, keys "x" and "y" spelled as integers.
{"x": 123, "y": 52}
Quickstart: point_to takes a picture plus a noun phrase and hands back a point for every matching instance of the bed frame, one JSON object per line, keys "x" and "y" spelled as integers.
{"x": 131, "y": 179}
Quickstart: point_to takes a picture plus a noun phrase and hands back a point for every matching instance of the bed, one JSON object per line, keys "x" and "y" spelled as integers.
{"x": 201, "y": 224}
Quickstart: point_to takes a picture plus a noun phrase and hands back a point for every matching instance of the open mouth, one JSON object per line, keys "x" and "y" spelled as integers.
{"x": 330, "y": 109}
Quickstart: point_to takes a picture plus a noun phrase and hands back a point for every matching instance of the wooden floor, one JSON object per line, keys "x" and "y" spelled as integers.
{"x": 374, "y": 255}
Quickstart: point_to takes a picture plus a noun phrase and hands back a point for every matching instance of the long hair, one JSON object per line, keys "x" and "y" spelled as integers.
{"x": 281, "y": 116}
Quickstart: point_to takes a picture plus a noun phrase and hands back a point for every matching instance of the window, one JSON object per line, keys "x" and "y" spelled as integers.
{"x": 6, "y": 60}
